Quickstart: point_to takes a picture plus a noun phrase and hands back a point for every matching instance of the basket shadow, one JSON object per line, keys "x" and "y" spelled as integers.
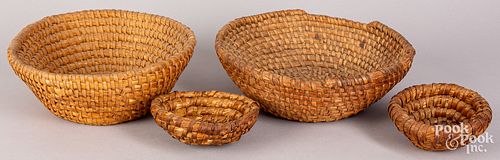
{"x": 377, "y": 126}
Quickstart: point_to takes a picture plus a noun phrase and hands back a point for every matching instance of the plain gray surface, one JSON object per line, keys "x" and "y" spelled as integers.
{"x": 456, "y": 41}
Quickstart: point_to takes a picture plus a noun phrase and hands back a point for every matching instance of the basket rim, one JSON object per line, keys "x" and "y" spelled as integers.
{"x": 396, "y": 104}
{"x": 377, "y": 75}
{"x": 158, "y": 108}
{"x": 14, "y": 60}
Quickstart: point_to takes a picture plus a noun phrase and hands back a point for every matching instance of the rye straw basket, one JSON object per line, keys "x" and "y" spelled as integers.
{"x": 312, "y": 68}
{"x": 417, "y": 111}
{"x": 101, "y": 67}
{"x": 205, "y": 118}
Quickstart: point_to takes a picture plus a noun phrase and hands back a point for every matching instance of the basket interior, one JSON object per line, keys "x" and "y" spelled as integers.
{"x": 212, "y": 110}
{"x": 442, "y": 104}
{"x": 96, "y": 42}
{"x": 310, "y": 47}
{"x": 440, "y": 110}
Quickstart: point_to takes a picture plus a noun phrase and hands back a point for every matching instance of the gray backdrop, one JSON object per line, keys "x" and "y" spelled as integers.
{"x": 456, "y": 41}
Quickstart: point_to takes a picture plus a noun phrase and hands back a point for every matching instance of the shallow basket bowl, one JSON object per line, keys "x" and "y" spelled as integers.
{"x": 312, "y": 68}
{"x": 205, "y": 118}
{"x": 101, "y": 67}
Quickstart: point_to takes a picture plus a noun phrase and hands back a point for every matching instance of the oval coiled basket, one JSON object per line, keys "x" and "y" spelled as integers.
{"x": 312, "y": 68}
{"x": 418, "y": 111}
{"x": 101, "y": 67}
{"x": 205, "y": 118}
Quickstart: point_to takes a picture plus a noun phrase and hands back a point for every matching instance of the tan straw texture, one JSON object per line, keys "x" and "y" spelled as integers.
{"x": 205, "y": 118}
{"x": 312, "y": 68}
{"x": 418, "y": 110}
{"x": 101, "y": 67}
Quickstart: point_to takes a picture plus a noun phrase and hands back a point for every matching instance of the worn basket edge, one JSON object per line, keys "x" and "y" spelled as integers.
{"x": 331, "y": 82}
{"x": 156, "y": 106}
{"x": 19, "y": 65}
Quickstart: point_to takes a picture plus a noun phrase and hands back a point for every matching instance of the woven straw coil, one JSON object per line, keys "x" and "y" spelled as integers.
{"x": 312, "y": 68}
{"x": 101, "y": 67}
{"x": 205, "y": 118}
{"x": 416, "y": 110}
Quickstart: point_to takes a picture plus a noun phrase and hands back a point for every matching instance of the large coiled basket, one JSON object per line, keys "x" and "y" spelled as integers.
{"x": 312, "y": 68}
{"x": 101, "y": 67}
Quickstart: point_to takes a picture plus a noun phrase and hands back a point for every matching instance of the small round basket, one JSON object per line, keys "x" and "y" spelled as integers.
{"x": 440, "y": 117}
{"x": 312, "y": 68}
{"x": 101, "y": 67}
{"x": 205, "y": 118}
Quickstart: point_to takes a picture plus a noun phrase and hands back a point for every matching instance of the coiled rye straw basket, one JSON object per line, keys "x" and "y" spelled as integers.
{"x": 101, "y": 67}
{"x": 205, "y": 118}
{"x": 418, "y": 110}
{"x": 312, "y": 68}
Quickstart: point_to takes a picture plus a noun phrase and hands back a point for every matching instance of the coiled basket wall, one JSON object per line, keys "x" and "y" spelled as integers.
{"x": 312, "y": 68}
{"x": 101, "y": 67}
